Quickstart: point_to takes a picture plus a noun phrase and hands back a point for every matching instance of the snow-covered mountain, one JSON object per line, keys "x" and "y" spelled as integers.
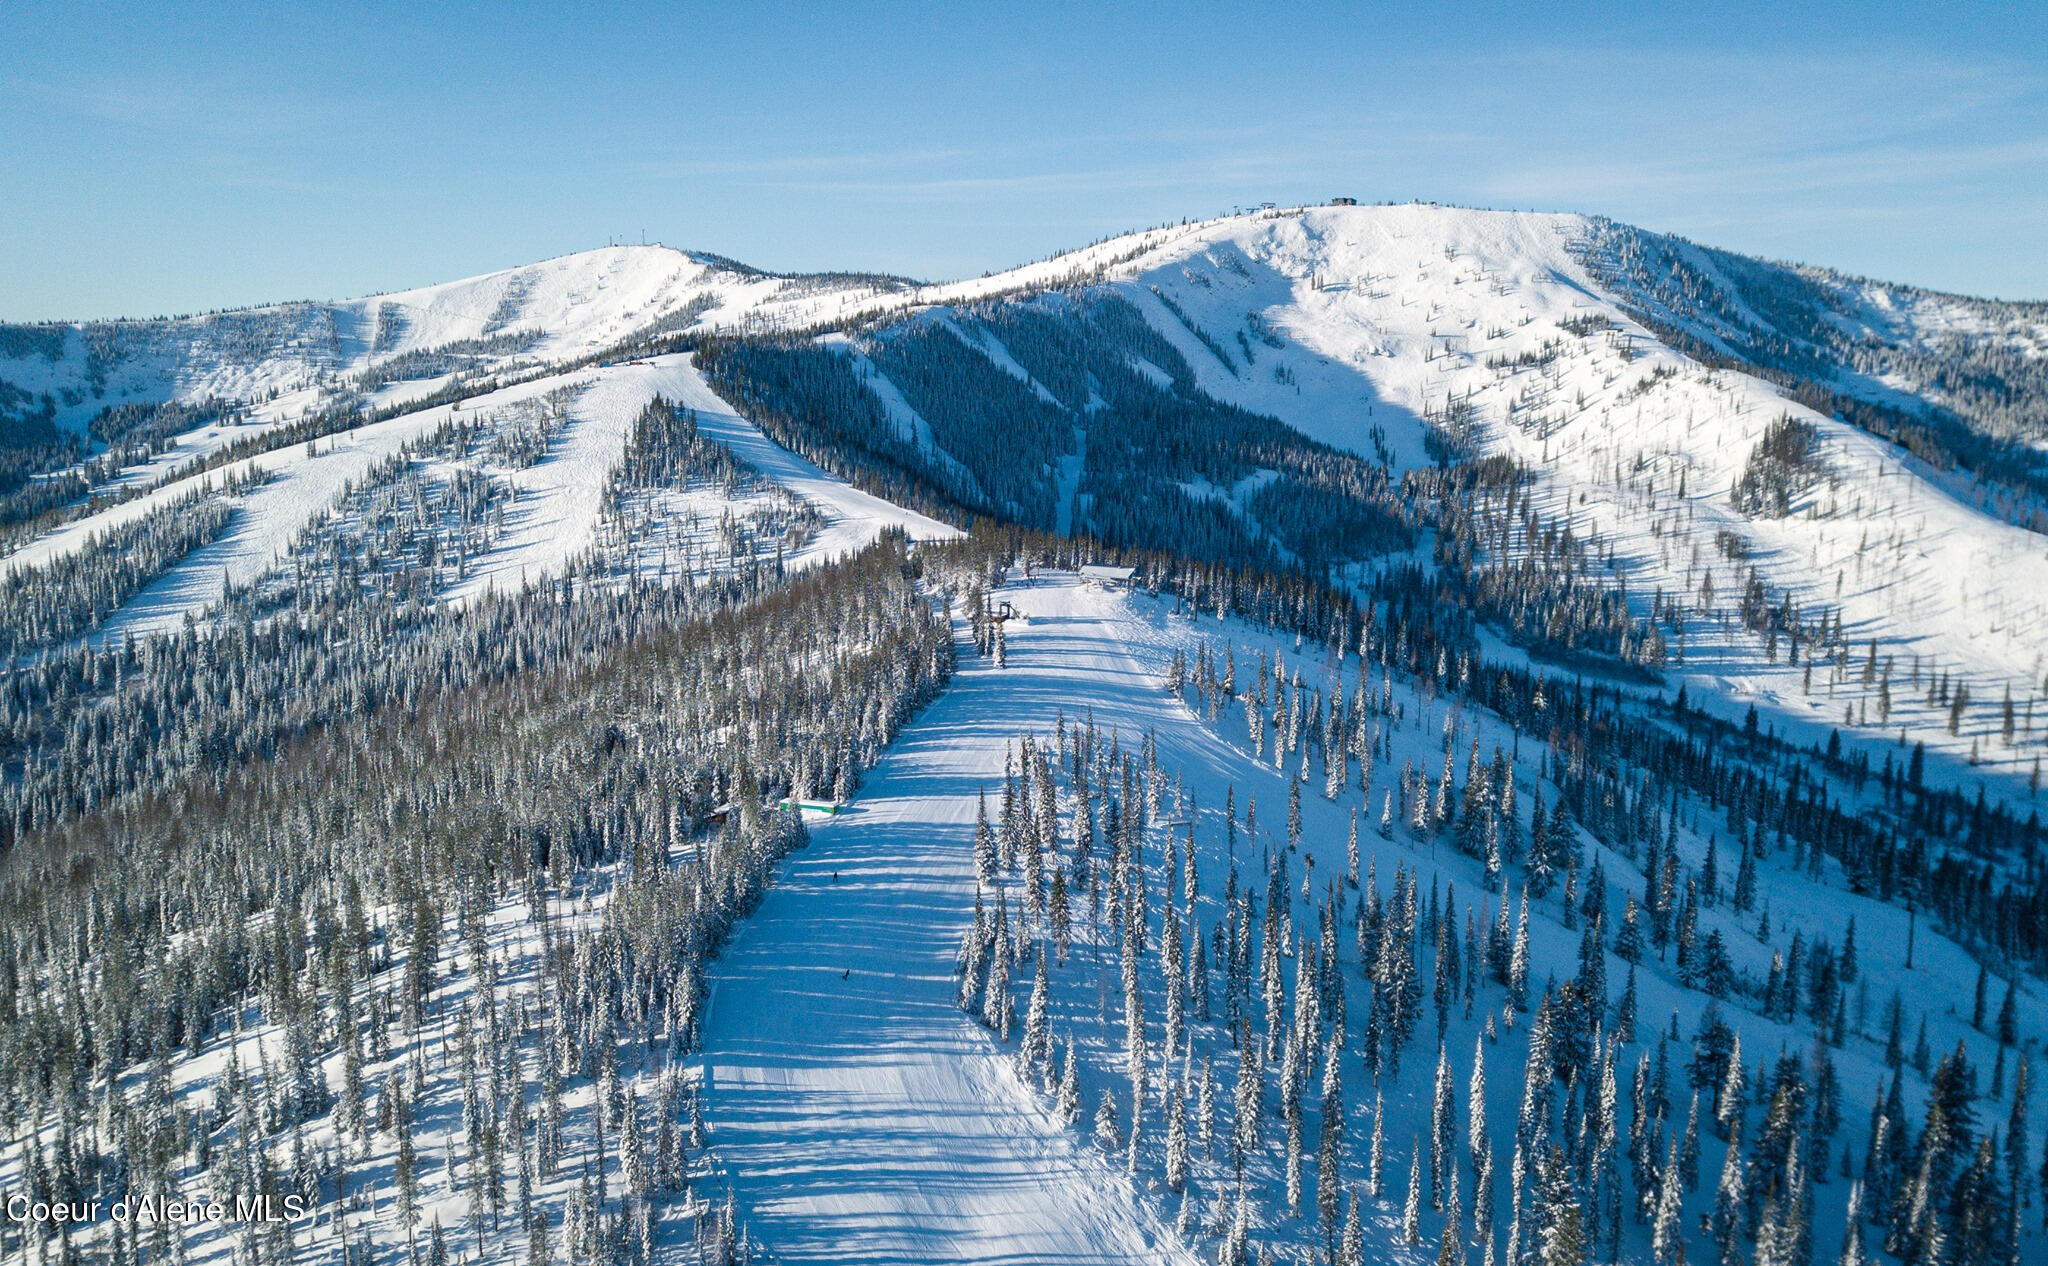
{"x": 555, "y": 311}
{"x": 620, "y": 760}
{"x": 1636, "y": 376}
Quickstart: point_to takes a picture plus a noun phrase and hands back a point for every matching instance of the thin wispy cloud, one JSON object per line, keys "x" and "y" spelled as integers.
{"x": 1778, "y": 174}
{"x": 793, "y": 165}
{"x": 162, "y": 104}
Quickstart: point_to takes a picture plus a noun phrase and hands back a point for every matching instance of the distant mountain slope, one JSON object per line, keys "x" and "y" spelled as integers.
{"x": 1645, "y": 382}
{"x": 1984, "y": 362}
{"x": 559, "y": 309}
{"x": 1820, "y": 494}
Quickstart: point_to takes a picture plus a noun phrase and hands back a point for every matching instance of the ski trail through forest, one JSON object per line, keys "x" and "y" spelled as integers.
{"x": 861, "y": 1114}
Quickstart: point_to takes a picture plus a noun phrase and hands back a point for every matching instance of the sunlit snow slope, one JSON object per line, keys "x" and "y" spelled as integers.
{"x": 554, "y": 516}
{"x": 862, "y": 1115}
{"x": 1361, "y": 325}
{"x": 557, "y": 310}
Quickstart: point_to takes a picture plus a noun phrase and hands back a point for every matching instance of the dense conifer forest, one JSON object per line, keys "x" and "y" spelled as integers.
{"x": 1122, "y": 445}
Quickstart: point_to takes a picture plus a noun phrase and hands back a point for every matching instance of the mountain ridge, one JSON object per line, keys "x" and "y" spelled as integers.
{"x": 1607, "y": 360}
{"x": 459, "y": 315}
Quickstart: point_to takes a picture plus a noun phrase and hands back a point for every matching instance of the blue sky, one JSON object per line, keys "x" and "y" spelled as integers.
{"x": 158, "y": 158}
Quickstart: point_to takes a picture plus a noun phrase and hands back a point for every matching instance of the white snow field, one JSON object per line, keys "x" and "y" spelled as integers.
{"x": 560, "y": 498}
{"x": 854, "y": 517}
{"x": 1634, "y": 444}
{"x": 301, "y": 486}
{"x": 861, "y": 1115}
{"x": 857, "y": 1113}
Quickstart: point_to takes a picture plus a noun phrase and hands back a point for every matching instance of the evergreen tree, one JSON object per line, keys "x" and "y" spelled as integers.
{"x": 985, "y": 862}
{"x": 1330, "y": 1148}
{"x": 1109, "y": 1130}
{"x": 1034, "y": 1053}
{"x": 1068, "y": 1101}
{"x": 1177, "y": 1151}
{"x": 1667, "y": 1234}
{"x": 1475, "y": 1106}
{"x": 1731, "y": 1199}
{"x": 1351, "y": 1251}
{"x": 1560, "y": 1220}
{"x": 1442, "y": 1129}
{"x": 1377, "y": 1157}
{"x": 1411, "y": 1213}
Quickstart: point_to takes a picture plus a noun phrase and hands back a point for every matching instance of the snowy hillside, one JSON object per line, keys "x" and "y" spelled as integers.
{"x": 1982, "y": 360}
{"x": 1339, "y": 735}
{"x": 560, "y": 310}
{"x": 554, "y": 502}
{"x": 1639, "y": 448}
{"x": 1388, "y": 330}
{"x": 1218, "y": 819}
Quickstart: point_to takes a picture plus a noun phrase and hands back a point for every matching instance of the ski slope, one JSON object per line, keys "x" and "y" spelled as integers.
{"x": 560, "y": 499}
{"x": 854, "y": 517}
{"x": 1355, "y": 325}
{"x": 857, "y": 1112}
{"x": 555, "y": 514}
{"x": 1385, "y": 314}
{"x": 863, "y": 1116}
{"x": 302, "y": 484}
{"x": 1348, "y": 323}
